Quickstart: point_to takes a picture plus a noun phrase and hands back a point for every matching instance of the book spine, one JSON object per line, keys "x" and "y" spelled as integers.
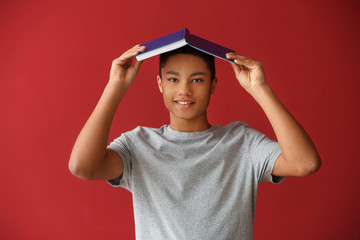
{"x": 209, "y": 47}
{"x": 187, "y": 35}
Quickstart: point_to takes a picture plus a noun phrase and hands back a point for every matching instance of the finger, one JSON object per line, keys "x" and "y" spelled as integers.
{"x": 129, "y": 54}
{"x": 232, "y": 56}
{"x": 237, "y": 68}
{"x": 138, "y": 47}
{"x": 137, "y": 65}
{"x": 243, "y": 61}
{"x": 134, "y": 51}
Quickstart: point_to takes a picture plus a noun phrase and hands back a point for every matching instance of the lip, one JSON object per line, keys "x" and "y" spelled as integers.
{"x": 184, "y": 104}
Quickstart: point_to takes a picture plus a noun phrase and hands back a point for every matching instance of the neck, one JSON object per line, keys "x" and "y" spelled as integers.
{"x": 186, "y": 125}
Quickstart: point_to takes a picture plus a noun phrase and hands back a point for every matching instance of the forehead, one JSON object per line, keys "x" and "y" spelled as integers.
{"x": 185, "y": 62}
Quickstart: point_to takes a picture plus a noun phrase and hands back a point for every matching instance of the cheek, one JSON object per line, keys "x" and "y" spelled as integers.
{"x": 167, "y": 91}
{"x": 167, "y": 102}
{"x": 167, "y": 97}
{"x": 205, "y": 92}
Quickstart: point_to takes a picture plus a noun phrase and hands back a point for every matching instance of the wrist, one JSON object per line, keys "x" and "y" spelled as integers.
{"x": 114, "y": 92}
{"x": 117, "y": 87}
{"x": 267, "y": 100}
{"x": 261, "y": 92}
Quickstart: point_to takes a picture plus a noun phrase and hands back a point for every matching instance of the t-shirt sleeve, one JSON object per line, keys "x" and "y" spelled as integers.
{"x": 120, "y": 146}
{"x": 264, "y": 153}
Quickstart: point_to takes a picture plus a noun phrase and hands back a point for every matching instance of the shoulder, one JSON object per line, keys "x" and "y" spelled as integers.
{"x": 136, "y": 137}
{"x": 240, "y": 131}
{"x": 232, "y": 132}
{"x": 142, "y": 133}
{"x": 236, "y": 127}
{"x": 141, "y": 130}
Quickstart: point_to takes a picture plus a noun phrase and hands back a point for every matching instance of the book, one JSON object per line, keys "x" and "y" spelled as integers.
{"x": 179, "y": 39}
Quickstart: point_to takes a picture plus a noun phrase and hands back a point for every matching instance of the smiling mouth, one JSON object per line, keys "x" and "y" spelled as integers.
{"x": 183, "y": 103}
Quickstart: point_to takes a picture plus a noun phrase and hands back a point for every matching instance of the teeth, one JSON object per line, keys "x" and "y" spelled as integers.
{"x": 184, "y": 103}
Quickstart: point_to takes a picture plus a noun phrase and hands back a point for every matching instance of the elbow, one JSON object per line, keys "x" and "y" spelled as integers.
{"x": 78, "y": 169}
{"x": 74, "y": 169}
{"x": 312, "y": 166}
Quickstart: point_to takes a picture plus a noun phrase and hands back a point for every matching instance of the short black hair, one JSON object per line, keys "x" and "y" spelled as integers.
{"x": 209, "y": 59}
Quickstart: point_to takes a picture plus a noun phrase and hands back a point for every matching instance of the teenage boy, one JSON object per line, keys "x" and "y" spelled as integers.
{"x": 191, "y": 179}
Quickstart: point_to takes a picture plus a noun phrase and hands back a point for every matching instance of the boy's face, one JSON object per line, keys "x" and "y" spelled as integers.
{"x": 186, "y": 86}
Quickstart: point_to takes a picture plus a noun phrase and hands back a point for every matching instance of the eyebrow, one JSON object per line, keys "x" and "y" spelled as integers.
{"x": 192, "y": 75}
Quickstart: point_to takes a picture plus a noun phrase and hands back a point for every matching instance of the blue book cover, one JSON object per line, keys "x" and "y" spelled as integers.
{"x": 181, "y": 38}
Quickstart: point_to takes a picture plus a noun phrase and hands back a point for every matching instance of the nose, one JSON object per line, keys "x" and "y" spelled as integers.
{"x": 185, "y": 89}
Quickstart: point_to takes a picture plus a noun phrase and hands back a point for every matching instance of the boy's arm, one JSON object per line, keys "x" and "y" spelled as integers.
{"x": 90, "y": 158}
{"x": 299, "y": 156}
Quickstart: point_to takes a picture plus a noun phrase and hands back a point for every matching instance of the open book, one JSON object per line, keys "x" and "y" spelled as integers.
{"x": 179, "y": 39}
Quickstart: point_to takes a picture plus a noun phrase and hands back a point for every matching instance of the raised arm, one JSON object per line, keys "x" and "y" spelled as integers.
{"x": 90, "y": 158}
{"x": 299, "y": 156}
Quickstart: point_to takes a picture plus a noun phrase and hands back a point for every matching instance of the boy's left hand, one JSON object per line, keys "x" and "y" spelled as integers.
{"x": 248, "y": 72}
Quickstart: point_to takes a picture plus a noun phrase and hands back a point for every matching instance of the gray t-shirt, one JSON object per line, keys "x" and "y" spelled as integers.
{"x": 197, "y": 185}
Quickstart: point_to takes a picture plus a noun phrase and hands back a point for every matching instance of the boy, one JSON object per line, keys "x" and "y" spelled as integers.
{"x": 189, "y": 179}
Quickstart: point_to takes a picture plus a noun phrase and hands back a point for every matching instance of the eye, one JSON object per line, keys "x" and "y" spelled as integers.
{"x": 172, "y": 80}
{"x": 197, "y": 80}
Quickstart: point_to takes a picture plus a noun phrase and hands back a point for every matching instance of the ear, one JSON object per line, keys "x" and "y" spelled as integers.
{"x": 159, "y": 84}
{"x": 213, "y": 85}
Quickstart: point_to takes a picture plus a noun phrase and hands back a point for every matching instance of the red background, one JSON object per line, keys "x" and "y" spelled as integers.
{"x": 55, "y": 58}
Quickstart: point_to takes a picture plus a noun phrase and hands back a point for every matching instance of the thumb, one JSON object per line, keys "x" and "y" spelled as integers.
{"x": 137, "y": 65}
{"x": 237, "y": 68}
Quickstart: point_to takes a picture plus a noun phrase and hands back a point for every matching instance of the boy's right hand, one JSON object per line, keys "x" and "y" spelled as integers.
{"x": 123, "y": 71}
